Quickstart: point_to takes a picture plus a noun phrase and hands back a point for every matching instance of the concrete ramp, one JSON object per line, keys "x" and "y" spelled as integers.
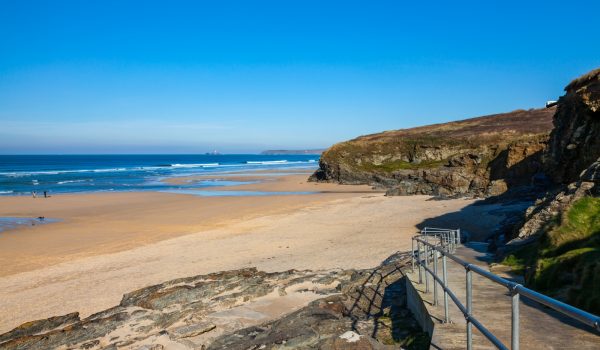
{"x": 540, "y": 327}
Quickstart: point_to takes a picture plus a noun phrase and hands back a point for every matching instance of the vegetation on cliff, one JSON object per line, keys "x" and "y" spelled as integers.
{"x": 565, "y": 262}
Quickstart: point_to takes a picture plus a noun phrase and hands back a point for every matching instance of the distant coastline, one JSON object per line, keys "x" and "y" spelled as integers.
{"x": 292, "y": 152}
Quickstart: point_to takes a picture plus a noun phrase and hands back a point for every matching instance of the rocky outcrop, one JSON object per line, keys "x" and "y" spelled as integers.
{"x": 474, "y": 157}
{"x": 572, "y": 158}
{"x": 575, "y": 140}
{"x": 370, "y": 313}
{"x": 540, "y": 217}
{"x": 242, "y": 309}
{"x": 563, "y": 257}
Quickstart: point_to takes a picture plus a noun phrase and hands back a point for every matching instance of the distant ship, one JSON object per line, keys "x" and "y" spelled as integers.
{"x": 213, "y": 153}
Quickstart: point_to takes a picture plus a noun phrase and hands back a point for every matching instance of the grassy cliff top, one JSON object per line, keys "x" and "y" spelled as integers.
{"x": 515, "y": 123}
{"x": 586, "y": 79}
{"x": 394, "y": 150}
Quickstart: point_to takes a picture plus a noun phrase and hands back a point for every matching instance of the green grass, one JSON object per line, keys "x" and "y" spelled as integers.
{"x": 569, "y": 262}
{"x": 522, "y": 259}
{"x": 566, "y": 260}
{"x": 582, "y": 223}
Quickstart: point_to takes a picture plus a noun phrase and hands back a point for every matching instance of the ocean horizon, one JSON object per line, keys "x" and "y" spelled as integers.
{"x": 56, "y": 174}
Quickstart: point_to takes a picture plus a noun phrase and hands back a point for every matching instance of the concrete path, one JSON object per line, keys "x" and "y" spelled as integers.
{"x": 541, "y": 328}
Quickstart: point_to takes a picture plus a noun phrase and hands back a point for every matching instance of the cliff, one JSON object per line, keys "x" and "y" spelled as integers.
{"x": 557, "y": 246}
{"x": 476, "y": 157}
{"x": 575, "y": 140}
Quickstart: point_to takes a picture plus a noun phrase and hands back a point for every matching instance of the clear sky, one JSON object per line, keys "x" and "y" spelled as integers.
{"x": 244, "y": 76}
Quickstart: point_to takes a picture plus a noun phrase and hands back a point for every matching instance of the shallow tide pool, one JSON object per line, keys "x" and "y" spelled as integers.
{"x": 7, "y": 223}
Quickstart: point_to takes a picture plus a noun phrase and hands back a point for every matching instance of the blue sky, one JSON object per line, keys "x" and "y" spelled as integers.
{"x": 244, "y": 76}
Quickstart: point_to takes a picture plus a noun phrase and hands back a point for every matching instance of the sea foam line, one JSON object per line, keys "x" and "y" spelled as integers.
{"x": 266, "y": 162}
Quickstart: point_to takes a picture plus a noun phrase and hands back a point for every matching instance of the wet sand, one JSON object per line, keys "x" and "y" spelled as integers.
{"x": 101, "y": 223}
{"x": 110, "y": 244}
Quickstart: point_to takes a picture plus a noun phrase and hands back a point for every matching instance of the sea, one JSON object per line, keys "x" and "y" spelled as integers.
{"x": 58, "y": 174}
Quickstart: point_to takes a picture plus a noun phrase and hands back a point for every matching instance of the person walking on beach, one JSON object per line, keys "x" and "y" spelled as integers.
{"x": 45, "y": 194}
{"x": 33, "y": 194}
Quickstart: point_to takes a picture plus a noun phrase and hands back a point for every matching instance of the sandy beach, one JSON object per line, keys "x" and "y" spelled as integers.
{"x": 100, "y": 223}
{"x": 112, "y": 243}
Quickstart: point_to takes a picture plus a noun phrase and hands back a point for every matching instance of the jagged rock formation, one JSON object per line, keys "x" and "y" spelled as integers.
{"x": 242, "y": 309}
{"x": 557, "y": 243}
{"x": 540, "y": 216}
{"x": 476, "y": 157}
{"x": 371, "y": 313}
{"x": 575, "y": 140}
{"x": 572, "y": 156}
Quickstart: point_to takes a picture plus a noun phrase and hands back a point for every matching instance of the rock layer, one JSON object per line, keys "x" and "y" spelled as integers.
{"x": 242, "y": 309}
{"x": 575, "y": 140}
{"x": 572, "y": 158}
{"x": 562, "y": 259}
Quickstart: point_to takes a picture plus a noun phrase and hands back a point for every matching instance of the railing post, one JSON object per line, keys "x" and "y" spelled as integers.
{"x": 426, "y": 267}
{"x": 455, "y": 236}
{"x": 412, "y": 254}
{"x": 419, "y": 262}
{"x": 435, "y": 273}
{"x": 469, "y": 309}
{"x": 515, "y": 320}
{"x": 445, "y": 279}
{"x": 458, "y": 235}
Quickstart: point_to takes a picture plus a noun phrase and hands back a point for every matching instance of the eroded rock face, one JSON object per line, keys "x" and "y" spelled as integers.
{"x": 475, "y": 157}
{"x": 236, "y": 309}
{"x": 539, "y": 216}
{"x": 370, "y": 313}
{"x": 572, "y": 158}
{"x": 575, "y": 140}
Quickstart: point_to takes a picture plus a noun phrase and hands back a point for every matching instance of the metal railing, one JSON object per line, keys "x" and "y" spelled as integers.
{"x": 433, "y": 243}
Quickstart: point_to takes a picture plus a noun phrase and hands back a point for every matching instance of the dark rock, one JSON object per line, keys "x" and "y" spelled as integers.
{"x": 575, "y": 140}
{"x": 192, "y": 330}
{"x": 572, "y": 157}
{"x": 40, "y": 326}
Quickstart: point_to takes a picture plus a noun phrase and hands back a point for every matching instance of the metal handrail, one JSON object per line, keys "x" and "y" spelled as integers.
{"x": 448, "y": 239}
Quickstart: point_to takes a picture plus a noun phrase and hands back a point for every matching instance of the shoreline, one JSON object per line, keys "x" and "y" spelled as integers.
{"x": 113, "y": 243}
{"x": 104, "y": 223}
{"x": 344, "y": 233}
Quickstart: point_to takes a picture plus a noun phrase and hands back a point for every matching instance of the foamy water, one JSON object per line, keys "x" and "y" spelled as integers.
{"x": 22, "y": 175}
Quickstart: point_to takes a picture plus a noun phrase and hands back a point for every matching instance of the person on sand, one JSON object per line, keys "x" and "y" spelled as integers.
{"x": 33, "y": 194}
{"x": 45, "y": 194}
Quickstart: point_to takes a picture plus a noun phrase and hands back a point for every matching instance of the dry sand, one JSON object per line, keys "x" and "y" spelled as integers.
{"x": 110, "y": 244}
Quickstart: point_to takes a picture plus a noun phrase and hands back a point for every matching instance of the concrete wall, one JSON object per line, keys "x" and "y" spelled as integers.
{"x": 417, "y": 307}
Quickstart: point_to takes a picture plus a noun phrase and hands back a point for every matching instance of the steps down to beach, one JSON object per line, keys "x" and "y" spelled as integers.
{"x": 540, "y": 327}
